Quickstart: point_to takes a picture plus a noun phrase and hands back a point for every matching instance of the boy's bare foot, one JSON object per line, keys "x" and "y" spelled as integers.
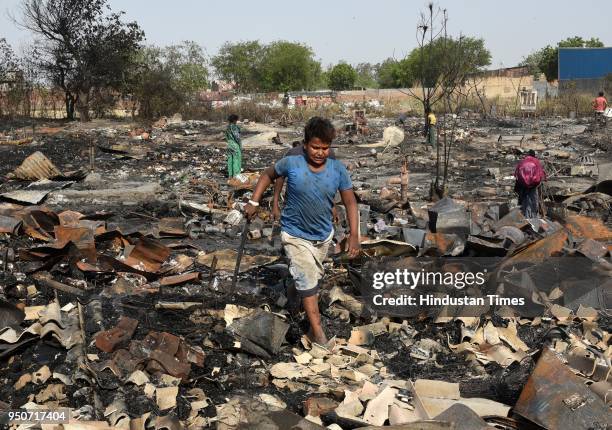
{"x": 319, "y": 338}
{"x": 311, "y": 306}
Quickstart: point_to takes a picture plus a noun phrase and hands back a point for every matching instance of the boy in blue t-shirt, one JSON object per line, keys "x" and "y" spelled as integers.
{"x": 306, "y": 222}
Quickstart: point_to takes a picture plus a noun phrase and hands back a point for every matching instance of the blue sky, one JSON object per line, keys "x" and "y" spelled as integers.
{"x": 356, "y": 30}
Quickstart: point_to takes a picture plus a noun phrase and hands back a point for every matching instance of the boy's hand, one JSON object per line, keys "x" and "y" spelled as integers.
{"x": 354, "y": 246}
{"x": 250, "y": 211}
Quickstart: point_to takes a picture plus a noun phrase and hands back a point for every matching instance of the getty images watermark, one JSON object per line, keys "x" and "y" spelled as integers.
{"x": 456, "y": 280}
{"x": 407, "y": 287}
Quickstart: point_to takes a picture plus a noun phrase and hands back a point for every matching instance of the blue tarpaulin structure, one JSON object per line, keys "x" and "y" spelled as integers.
{"x": 584, "y": 63}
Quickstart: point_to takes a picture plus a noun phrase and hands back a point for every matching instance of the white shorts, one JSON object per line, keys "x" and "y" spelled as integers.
{"x": 306, "y": 261}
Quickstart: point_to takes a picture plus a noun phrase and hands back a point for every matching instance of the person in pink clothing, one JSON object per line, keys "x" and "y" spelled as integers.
{"x": 529, "y": 174}
{"x": 599, "y": 106}
{"x": 600, "y": 103}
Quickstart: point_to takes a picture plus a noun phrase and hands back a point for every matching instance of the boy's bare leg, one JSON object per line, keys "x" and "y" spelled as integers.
{"x": 311, "y": 306}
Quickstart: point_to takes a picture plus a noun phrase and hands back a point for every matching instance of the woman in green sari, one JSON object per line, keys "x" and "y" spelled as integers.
{"x": 234, "y": 146}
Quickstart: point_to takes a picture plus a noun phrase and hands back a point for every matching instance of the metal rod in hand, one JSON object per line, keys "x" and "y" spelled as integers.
{"x": 243, "y": 238}
{"x": 271, "y": 238}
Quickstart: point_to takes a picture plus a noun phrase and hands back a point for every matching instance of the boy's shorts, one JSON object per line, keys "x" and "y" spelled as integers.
{"x": 306, "y": 261}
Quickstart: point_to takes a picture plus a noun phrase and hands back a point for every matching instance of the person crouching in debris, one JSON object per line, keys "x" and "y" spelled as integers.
{"x": 306, "y": 222}
{"x": 234, "y": 146}
{"x": 529, "y": 174}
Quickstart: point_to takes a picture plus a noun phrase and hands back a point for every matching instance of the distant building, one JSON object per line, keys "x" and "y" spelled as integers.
{"x": 503, "y": 84}
{"x": 507, "y": 72}
{"x": 584, "y": 69}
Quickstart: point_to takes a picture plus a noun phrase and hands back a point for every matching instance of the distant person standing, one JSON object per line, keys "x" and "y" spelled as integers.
{"x": 529, "y": 175}
{"x": 600, "y": 103}
{"x": 599, "y": 106}
{"x": 432, "y": 133}
{"x": 234, "y": 147}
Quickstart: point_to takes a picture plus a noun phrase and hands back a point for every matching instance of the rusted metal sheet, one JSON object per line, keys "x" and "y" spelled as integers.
{"x": 35, "y": 167}
{"x": 592, "y": 249}
{"x": 555, "y": 398}
{"x": 87, "y": 267}
{"x": 540, "y": 250}
{"x": 442, "y": 244}
{"x": 39, "y": 224}
{"x": 170, "y": 364}
{"x": 148, "y": 255}
{"x": 9, "y": 224}
{"x": 119, "y": 335}
{"x": 588, "y": 228}
{"x": 82, "y": 238}
{"x": 110, "y": 264}
{"x": 179, "y": 279}
{"x": 98, "y": 227}
{"x": 70, "y": 218}
{"x": 161, "y": 349}
{"x": 172, "y": 227}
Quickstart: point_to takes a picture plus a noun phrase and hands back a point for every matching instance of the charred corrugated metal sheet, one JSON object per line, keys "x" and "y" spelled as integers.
{"x": 35, "y": 167}
{"x": 26, "y": 196}
{"x": 555, "y": 398}
{"x": 588, "y": 228}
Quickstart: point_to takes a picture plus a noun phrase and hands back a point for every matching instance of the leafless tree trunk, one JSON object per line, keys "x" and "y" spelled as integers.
{"x": 482, "y": 98}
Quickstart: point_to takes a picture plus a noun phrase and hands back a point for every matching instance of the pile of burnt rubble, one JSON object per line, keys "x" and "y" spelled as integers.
{"x": 130, "y": 320}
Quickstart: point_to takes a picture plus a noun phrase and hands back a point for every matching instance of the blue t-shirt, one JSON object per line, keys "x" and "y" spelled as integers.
{"x": 310, "y": 196}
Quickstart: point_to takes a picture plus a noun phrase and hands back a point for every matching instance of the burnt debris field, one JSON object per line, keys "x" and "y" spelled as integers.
{"x": 118, "y": 244}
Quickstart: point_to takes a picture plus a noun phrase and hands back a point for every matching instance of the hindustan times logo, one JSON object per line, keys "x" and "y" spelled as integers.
{"x": 411, "y": 279}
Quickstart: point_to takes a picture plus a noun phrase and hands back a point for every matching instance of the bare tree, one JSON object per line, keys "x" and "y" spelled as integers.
{"x": 475, "y": 81}
{"x": 441, "y": 65}
{"x": 453, "y": 105}
{"x": 426, "y": 35}
{"x": 8, "y": 73}
{"x": 81, "y": 46}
